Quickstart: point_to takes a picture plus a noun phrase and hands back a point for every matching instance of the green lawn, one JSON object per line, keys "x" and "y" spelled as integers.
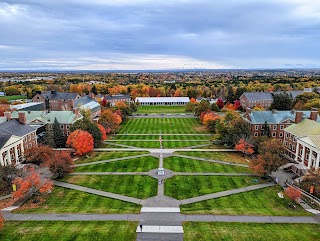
{"x": 141, "y": 164}
{"x": 179, "y": 164}
{"x": 100, "y": 156}
{"x": 63, "y": 200}
{"x": 165, "y": 144}
{"x": 164, "y": 137}
{"x": 162, "y": 125}
{"x": 250, "y": 231}
{"x": 13, "y": 97}
{"x": 66, "y": 231}
{"x": 222, "y": 156}
{"x": 153, "y": 109}
{"x": 258, "y": 202}
{"x": 182, "y": 187}
{"x": 130, "y": 185}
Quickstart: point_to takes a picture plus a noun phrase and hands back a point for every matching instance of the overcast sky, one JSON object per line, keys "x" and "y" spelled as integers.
{"x": 162, "y": 34}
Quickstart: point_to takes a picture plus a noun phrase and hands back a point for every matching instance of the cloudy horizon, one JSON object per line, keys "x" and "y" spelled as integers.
{"x": 156, "y": 35}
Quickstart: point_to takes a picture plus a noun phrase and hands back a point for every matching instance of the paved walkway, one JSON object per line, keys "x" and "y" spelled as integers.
{"x": 198, "y": 146}
{"x": 157, "y": 150}
{"x": 211, "y": 174}
{"x": 225, "y": 193}
{"x": 121, "y": 145}
{"x": 167, "y": 134}
{"x": 110, "y": 160}
{"x": 162, "y": 218}
{"x": 109, "y": 173}
{"x": 98, "y": 192}
{"x": 155, "y": 140}
{"x": 209, "y": 160}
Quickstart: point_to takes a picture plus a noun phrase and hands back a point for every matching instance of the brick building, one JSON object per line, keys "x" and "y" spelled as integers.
{"x": 53, "y": 100}
{"x": 113, "y": 99}
{"x": 251, "y": 99}
{"x": 277, "y": 120}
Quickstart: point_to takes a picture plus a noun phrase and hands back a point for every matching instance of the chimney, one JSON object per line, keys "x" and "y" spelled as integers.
{"x": 248, "y": 110}
{"x": 314, "y": 114}
{"x": 91, "y": 95}
{"x": 53, "y": 91}
{"x": 298, "y": 117}
{"x": 274, "y": 111}
{"x": 22, "y": 117}
{"x": 8, "y": 114}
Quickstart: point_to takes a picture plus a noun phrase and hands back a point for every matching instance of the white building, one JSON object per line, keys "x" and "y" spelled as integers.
{"x": 11, "y": 149}
{"x": 162, "y": 100}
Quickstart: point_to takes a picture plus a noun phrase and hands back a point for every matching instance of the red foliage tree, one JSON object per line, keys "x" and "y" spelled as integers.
{"x": 60, "y": 164}
{"x": 292, "y": 193}
{"x": 110, "y": 120}
{"x": 104, "y": 102}
{"x": 32, "y": 183}
{"x": 209, "y": 116}
{"x": 220, "y": 103}
{"x": 81, "y": 142}
{"x": 39, "y": 154}
{"x": 236, "y": 104}
{"x": 103, "y": 131}
{"x": 244, "y": 146}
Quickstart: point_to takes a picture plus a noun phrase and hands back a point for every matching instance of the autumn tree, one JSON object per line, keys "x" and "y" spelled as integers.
{"x": 86, "y": 124}
{"x": 244, "y": 146}
{"x": 103, "y": 132}
{"x": 81, "y": 141}
{"x": 269, "y": 158}
{"x": 209, "y": 116}
{"x": 38, "y": 155}
{"x": 203, "y": 106}
{"x": 312, "y": 181}
{"x": 193, "y": 100}
{"x": 110, "y": 120}
{"x": 60, "y": 164}
{"x": 220, "y": 103}
{"x": 104, "y": 102}
{"x": 32, "y": 183}
{"x": 58, "y": 136}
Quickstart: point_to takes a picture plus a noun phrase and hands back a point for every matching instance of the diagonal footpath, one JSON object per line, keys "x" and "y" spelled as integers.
{"x": 98, "y": 192}
{"x": 111, "y": 160}
{"x": 225, "y": 193}
{"x": 209, "y": 160}
{"x": 121, "y": 145}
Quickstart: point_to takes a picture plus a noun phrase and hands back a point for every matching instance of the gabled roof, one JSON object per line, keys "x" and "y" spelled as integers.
{"x": 14, "y": 127}
{"x": 275, "y": 117}
{"x": 53, "y": 95}
{"x": 304, "y": 128}
{"x": 83, "y": 101}
{"x": 258, "y": 96}
{"x": 63, "y": 117}
{"x": 313, "y": 140}
{"x": 4, "y": 139}
{"x": 117, "y": 97}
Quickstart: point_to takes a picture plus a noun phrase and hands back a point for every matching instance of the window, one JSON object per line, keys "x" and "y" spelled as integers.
{"x": 256, "y": 127}
{"x": 300, "y": 152}
{"x": 280, "y": 134}
{"x": 281, "y": 140}
{"x": 274, "y": 127}
{"x": 290, "y": 146}
{"x": 256, "y": 134}
{"x": 281, "y": 127}
{"x": 293, "y": 148}
{"x": 274, "y": 134}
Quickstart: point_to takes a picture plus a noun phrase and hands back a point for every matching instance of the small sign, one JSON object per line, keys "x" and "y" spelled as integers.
{"x": 14, "y": 187}
{"x": 161, "y": 172}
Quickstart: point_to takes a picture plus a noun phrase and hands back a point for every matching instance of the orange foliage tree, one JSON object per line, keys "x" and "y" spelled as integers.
{"x": 60, "y": 164}
{"x": 193, "y": 100}
{"x": 292, "y": 193}
{"x": 103, "y": 131}
{"x": 32, "y": 183}
{"x": 39, "y": 154}
{"x": 244, "y": 146}
{"x": 209, "y": 116}
{"x": 81, "y": 141}
{"x": 121, "y": 105}
{"x": 110, "y": 120}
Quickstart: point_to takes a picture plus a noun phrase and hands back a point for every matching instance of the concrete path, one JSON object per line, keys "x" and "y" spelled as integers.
{"x": 98, "y": 192}
{"x": 159, "y": 210}
{"x": 171, "y": 219}
{"x": 109, "y": 173}
{"x": 209, "y": 160}
{"x": 157, "y": 150}
{"x": 159, "y": 229}
{"x": 163, "y": 140}
{"x": 110, "y": 160}
{"x": 211, "y": 174}
{"x": 167, "y": 134}
{"x": 225, "y": 193}
{"x": 199, "y": 146}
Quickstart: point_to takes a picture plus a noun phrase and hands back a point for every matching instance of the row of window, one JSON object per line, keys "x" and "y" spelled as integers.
{"x": 273, "y": 134}
{"x": 274, "y": 127}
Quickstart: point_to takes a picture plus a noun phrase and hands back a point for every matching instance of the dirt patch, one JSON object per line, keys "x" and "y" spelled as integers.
{"x": 6, "y": 203}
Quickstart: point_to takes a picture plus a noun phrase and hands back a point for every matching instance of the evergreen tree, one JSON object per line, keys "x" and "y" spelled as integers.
{"x": 265, "y": 130}
{"x": 94, "y": 90}
{"x": 49, "y": 138}
{"x": 282, "y": 101}
{"x": 231, "y": 95}
{"x": 58, "y": 136}
{"x": 214, "y": 107}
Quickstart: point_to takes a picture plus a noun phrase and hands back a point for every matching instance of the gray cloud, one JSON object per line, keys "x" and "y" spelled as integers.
{"x": 233, "y": 34}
